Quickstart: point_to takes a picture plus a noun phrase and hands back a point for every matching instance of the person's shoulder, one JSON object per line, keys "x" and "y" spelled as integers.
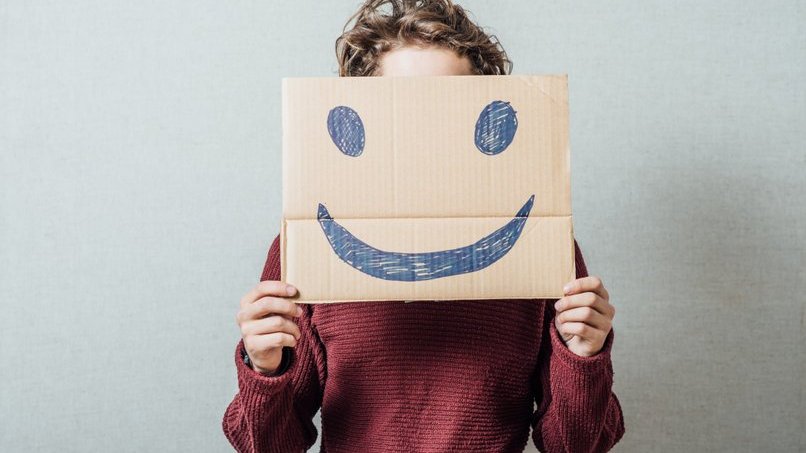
{"x": 274, "y": 248}
{"x": 271, "y": 270}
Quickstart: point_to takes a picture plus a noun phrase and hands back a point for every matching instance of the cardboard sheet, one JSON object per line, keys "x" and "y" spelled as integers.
{"x": 426, "y": 188}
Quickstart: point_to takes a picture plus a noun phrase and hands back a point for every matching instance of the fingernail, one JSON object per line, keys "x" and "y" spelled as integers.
{"x": 566, "y": 288}
{"x": 557, "y": 305}
{"x": 299, "y": 311}
{"x": 290, "y": 290}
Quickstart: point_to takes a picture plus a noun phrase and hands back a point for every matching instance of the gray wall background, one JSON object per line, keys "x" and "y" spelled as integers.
{"x": 140, "y": 188}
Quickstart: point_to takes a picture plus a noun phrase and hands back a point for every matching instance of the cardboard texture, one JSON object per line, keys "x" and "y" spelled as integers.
{"x": 426, "y": 188}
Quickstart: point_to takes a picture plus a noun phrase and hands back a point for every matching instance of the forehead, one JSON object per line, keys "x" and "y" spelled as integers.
{"x": 423, "y": 61}
{"x": 419, "y": 158}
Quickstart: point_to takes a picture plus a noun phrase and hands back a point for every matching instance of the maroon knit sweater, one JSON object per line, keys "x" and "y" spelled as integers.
{"x": 427, "y": 376}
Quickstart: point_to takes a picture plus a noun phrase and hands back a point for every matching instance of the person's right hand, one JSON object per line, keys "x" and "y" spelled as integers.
{"x": 266, "y": 324}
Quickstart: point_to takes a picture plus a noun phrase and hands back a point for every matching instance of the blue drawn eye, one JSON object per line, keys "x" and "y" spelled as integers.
{"x": 346, "y": 130}
{"x": 495, "y": 127}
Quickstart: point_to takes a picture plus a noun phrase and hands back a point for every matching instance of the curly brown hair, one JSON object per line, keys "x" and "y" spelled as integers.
{"x": 382, "y": 25}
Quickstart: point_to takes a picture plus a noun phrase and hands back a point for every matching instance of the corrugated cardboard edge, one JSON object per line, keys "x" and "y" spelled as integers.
{"x": 283, "y": 253}
{"x": 284, "y": 128}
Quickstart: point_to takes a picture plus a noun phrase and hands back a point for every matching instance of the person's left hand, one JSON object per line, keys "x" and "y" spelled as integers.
{"x": 584, "y": 315}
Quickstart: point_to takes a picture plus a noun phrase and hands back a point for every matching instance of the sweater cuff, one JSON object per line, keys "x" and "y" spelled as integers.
{"x": 254, "y": 381}
{"x": 593, "y": 364}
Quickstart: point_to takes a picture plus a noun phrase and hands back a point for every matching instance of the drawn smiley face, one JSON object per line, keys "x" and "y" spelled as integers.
{"x": 426, "y": 188}
{"x": 495, "y": 130}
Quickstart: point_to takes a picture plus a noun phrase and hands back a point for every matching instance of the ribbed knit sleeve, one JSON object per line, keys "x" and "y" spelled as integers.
{"x": 577, "y": 410}
{"x": 275, "y": 413}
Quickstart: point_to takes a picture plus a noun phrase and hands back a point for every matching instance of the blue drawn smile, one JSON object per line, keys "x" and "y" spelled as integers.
{"x": 411, "y": 267}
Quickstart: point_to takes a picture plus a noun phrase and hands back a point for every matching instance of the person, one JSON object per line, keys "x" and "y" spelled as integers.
{"x": 429, "y": 375}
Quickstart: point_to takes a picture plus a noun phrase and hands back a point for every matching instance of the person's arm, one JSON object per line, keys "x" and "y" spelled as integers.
{"x": 577, "y": 410}
{"x": 274, "y": 413}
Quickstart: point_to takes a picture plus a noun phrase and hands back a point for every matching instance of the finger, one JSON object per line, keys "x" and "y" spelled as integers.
{"x": 271, "y": 305}
{"x": 590, "y": 283}
{"x": 587, "y": 299}
{"x": 268, "y": 288}
{"x": 587, "y": 315}
{"x": 579, "y": 329}
{"x": 272, "y": 324}
{"x": 261, "y": 343}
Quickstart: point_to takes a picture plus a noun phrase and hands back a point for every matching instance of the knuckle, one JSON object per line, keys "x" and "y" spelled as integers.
{"x": 268, "y": 286}
{"x": 274, "y": 322}
{"x": 263, "y": 286}
{"x": 286, "y": 339}
{"x": 583, "y": 330}
{"x": 293, "y": 329}
{"x": 286, "y": 306}
{"x": 249, "y": 346}
{"x": 284, "y": 324}
{"x": 275, "y": 341}
{"x": 266, "y": 304}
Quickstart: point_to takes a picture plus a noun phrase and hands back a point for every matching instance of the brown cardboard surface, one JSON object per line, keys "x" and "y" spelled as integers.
{"x": 421, "y": 185}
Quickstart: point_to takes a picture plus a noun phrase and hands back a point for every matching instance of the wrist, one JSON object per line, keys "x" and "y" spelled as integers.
{"x": 280, "y": 369}
{"x": 248, "y": 361}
